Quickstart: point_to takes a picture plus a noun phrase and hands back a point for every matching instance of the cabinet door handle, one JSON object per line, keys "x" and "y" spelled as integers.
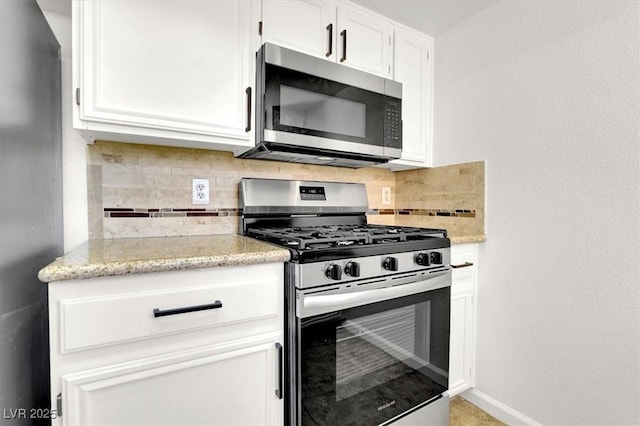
{"x": 462, "y": 265}
{"x": 344, "y": 45}
{"x": 158, "y": 313}
{"x": 248, "y": 92}
{"x": 330, "y": 51}
{"x": 279, "y": 389}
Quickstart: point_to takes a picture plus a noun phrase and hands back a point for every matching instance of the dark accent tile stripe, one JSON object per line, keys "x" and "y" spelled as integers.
{"x": 424, "y": 212}
{"x": 116, "y": 212}
{"x": 128, "y": 214}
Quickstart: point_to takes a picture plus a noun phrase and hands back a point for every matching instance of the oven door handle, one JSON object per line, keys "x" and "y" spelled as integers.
{"x": 358, "y": 298}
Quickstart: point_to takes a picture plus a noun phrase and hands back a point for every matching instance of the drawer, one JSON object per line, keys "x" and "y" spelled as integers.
{"x": 101, "y": 320}
{"x": 463, "y": 263}
{"x": 461, "y": 253}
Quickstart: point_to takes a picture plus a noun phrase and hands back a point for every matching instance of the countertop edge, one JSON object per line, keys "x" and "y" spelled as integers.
{"x": 128, "y": 256}
{"x": 61, "y": 273}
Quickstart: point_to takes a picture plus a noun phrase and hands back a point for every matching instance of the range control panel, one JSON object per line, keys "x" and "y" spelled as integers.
{"x": 365, "y": 268}
{"x": 316, "y": 193}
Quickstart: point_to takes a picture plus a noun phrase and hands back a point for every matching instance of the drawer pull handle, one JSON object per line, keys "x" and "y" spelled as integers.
{"x": 462, "y": 265}
{"x": 158, "y": 313}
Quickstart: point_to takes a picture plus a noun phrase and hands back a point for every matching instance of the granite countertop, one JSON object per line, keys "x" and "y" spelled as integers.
{"x": 102, "y": 258}
{"x": 467, "y": 239}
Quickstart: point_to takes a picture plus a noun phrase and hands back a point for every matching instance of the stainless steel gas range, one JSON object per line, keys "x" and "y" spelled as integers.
{"x": 367, "y": 306}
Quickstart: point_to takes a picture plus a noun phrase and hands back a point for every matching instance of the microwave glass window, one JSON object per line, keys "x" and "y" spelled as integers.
{"x": 299, "y": 103}
{"x": 318, "y": 112}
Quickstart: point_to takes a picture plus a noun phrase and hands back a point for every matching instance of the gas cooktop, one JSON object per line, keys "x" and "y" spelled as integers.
{"x": 330, "y": 236}
{"x": 327, "y": 242}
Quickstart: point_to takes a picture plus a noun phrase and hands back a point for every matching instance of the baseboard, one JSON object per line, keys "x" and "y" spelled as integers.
{"x": 497, "y": 409}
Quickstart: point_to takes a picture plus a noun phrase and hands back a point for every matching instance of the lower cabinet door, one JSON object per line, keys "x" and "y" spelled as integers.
{"x": 460, "y": 341}
{"x": 218, "y": 385}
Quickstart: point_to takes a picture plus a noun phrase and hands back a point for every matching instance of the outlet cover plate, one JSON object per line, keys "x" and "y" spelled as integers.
{"x": 200, "y": 191}
{"x": 386, "y": 195}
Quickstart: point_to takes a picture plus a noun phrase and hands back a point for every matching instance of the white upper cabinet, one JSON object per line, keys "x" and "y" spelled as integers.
{"x": 413, "y": 67}
{"x": 168, "y": 72}
{"x": 364, "y": 40}
{"x": 307, "y": 26}
{"x": 339, "y": 32}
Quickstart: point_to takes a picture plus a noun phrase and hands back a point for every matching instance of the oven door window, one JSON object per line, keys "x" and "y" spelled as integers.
{"x": 300, "y": 103}
{"x": 369, "y": 364}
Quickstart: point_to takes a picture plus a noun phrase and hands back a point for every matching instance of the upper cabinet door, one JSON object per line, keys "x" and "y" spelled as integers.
{"x": 307, "y": 26}
{"x": 179, "y": 67}
{"x": 339, "y": 32}
{"x": 413, "y": 67}
{"x": 364, "y": 40}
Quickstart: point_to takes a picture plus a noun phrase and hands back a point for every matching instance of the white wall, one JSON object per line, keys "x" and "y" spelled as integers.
{"x": 74, "y": 165}
{"x": 548, "y": 93}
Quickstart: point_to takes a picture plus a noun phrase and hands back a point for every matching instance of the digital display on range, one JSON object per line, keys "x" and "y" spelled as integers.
{"x": 312, "y": 193}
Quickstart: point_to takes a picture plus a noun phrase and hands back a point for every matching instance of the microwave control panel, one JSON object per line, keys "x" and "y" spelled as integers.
{"x": 392, "y": 123}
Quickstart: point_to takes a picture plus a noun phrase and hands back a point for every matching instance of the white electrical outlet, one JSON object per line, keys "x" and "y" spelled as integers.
{"x": 200, "y": 191}
{"x": 386, "y": 195}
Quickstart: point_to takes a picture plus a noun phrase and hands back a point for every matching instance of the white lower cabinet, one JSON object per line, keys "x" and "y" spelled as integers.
{"x": 213, "y": 385}
{"x": 214, "y": 365}
{"x": 463, "y": 289}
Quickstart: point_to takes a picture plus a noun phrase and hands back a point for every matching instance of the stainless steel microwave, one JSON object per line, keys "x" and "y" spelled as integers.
{"x": 310, "y": 110}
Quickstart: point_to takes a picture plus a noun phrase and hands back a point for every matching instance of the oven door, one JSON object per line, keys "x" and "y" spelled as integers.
{"x": 373, "y": 363}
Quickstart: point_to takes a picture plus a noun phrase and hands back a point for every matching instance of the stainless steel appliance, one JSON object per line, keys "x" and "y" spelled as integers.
{"x": 31, "y": 217}
{"x": 368, "y": 306}
{"x": 309, "y": 110}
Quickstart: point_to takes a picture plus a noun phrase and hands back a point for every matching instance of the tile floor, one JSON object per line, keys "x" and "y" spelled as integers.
{"x": 463, "y": 413}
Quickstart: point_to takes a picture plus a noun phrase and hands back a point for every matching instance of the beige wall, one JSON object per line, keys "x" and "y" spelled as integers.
{"x": 152, "y": 187}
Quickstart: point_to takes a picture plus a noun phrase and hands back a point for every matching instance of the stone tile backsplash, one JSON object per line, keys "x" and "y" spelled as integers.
{"x": 453, "y": 195}
{"x": 143, "y": 191}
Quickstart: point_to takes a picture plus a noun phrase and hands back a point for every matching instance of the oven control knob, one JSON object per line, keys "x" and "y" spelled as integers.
{"x": 390, "y": 263}
{"x": 333, "y": 271}
{"x": 436, "y": 257}
{"x": 352, "y": 269}
{"x": 422, "y": 259}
